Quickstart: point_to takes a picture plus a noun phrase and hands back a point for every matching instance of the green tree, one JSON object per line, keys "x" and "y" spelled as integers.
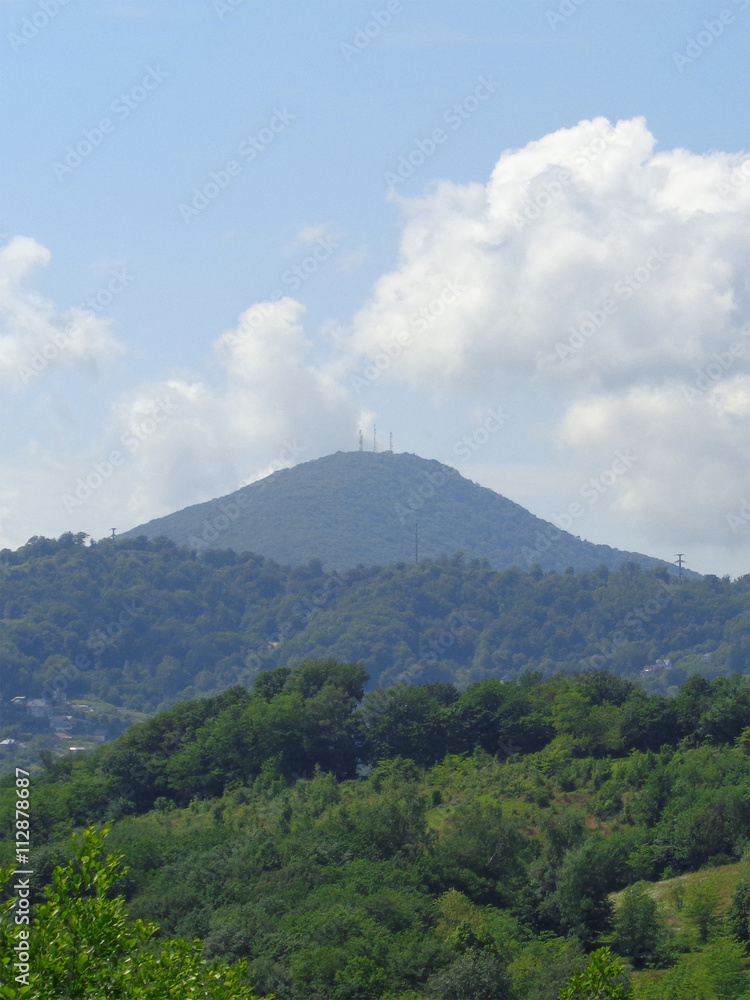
{"x": 699, "y": 907}
{"x": 595, "y": 728}
{"x": 639, "y": 933}
{"x": 478, "y": 974}
{"x": 580, "y": 899}
{"x": 405, "y": 721}
{"x": 648, "y": 722}
{"x": 82, "y": 946}
{"x": 481, "y": 716}
{"x": 544, "y": 965}
{"x": 360, "y": 979}
{"x": 602, "y": 980}
{"x": 739, "y": 911}
{"x": 271, "y": 682}
{"x": 481, "y": 854}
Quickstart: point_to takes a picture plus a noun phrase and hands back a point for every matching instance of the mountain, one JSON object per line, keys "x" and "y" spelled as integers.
{"x": 366, "y": 508}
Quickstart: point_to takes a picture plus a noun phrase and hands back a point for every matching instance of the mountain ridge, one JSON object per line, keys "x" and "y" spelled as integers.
{"x": 376, "y": 508}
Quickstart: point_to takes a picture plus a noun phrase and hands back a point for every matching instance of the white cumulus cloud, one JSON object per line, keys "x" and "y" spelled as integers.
{"x": 611, "y": 282}
{"x": 597, "y": 285}
{"x": 585, "y": 255}
{"x": 33, "y": 334}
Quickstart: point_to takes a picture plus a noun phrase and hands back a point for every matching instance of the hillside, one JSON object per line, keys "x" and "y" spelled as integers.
{"x": 131, "y": 626}
{"x": 362, "y": 508}
{"x": 424, "y": 842}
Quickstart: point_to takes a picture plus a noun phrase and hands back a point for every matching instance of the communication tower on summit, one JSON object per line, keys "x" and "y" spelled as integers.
{"x": 361, "y": 442}
{"x": 680, "y": 564}
{"x": 390, "y": 445}
{"x": 374, "y": 437}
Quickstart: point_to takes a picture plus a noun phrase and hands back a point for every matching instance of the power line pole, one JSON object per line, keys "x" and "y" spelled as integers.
{"x": 680, "y": 564}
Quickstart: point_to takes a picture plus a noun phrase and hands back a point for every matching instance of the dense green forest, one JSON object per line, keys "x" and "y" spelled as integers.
{"x": 424, "y": 841}
{"x": 140, "y": 624}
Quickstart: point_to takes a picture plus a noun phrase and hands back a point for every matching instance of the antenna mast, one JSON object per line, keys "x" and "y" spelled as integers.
{"x": 680, "y": 564}
{"x": 390, "y": 446}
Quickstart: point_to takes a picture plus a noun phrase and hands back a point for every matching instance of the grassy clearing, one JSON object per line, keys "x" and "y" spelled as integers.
{"x": 669, "y": 894}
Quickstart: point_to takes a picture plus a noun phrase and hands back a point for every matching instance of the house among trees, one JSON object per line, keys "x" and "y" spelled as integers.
{"x": 39, "y": 708}
{"x": 656, "y": 668}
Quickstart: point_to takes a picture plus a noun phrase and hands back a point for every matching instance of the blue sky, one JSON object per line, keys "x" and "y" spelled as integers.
{"x": 178, "y": 164}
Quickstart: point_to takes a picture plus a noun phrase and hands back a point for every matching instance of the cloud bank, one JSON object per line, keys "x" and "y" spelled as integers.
{"x": 614, "y": 279}
{"x": 592, "y": 272}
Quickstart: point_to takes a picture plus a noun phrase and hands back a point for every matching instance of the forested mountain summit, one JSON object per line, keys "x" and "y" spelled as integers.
{"x": 367, "y": 508}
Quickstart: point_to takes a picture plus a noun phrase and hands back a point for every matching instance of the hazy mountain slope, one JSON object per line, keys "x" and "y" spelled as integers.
{"x": 356, "y": 508}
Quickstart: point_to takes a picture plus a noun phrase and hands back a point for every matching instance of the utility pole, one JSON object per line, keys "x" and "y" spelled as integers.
{"x": 113, "y": 534}
{"x": 679, "y": 564}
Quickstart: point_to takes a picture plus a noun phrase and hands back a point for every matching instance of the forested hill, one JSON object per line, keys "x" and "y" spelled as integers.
{"x": 356, "y": 508}
{"x": 415, "y": 843}
{"x": 142, "y": 624}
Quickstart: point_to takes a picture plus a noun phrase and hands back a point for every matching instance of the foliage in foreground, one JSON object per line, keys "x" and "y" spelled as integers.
{"x": 602, "y": 980}
{"x": 82, "y": 947}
